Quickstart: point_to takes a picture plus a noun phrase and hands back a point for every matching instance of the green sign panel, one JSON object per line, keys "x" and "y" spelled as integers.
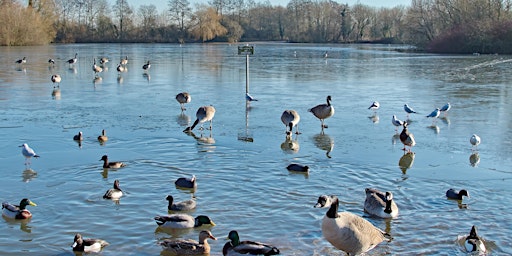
{"x": 248, "y": 50}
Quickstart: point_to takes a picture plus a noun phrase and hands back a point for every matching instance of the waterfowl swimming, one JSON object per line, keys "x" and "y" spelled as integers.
{"x": 124, "y": 61}
{"x": 28, "y": 153}
{"x": 146, "y": 66}
{"x": 474, "y": 243}
{"x": 56, "y": 79}
{"x": 78, "y": 137}
{"x": 380, "y": 204}
{"x": 186, "y": 205}
{"x": 189, "y": 247}
{"x": 203, "y": 114}
{"x": 97, "y": 69}
{"x": 456, "y": 195}
{"x": 183, "y": 221}
{"x": 297, "y": 168}
{"x": 115, "y": 192}
{"x": 323, "y": 111}
{"x": 446, "y": 108}
{"x": 290, "y": 118}
{"x": 17, "y": 211}
{"x": 475, "y": 140}
{"x": 111, "y": 165}
{"x": 237, "y": 247}
{"x": 408, "y": 109}
{"x": 22, "y": 61}
{"x": 407, "y": 138}
{"x": 186, "y": 182}
{"x": 73, "y": 60}
{"x": 375, "y": 105}
{"x": 103, "y": 137}
{"x": 396, "y": 122}
{"x": 183, "y": 98}
{"x": 88, "y": 245}
{"x": 347, "y": 231}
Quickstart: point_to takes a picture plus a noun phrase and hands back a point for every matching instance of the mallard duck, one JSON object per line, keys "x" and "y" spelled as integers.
{"x": 186, "y": 182}
{"x": 88, "y": 245}
{"x": 78, "y": 137}
{"x": 183, "y": 221}
{"x": 323, "y": 111}
{"x": 111, "y": 165}
{"x": 347, "y": 231}
{"x": 55, "y": 79}
{"x": 203, "y": 114}
{"x": 103, "y": 137}
{"x": 380, "y": 204}
{"x": 17, "y": 211}
{"x": 298, "y": 168}
{"x": 28, "y": 153}
{"x": 474, "y": 243}
{"x": 291, "y": 118}
{"x": 183, "y": 98}
{"x": 115, "y": 192}
{"x": 186, "y": 205}
{"x": 456, "y": 195}
{"x": 189, "y": 247}
{"x": 237, "y": 247}
{"x": 407, "y": 138}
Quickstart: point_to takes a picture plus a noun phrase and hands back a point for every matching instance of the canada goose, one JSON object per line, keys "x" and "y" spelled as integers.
{"x": 22, "y": 61}
{"x": 183, "y": 221}
{"x": 56, "y": 79}
{"x": 186, "y": 205}
{"x": 396, "y": 122}
{"x": 120, "y": 68}
{"x": 115, "y": 192}
{"x": 17, "y": 211}
{"x": 375, "y": 105}
{"x": 446, "y": 108}
{"x": 103, "y": 137}
{"x": 124, "y": 61}
{"x": 111, "y": 165}
{"x": 51, "y": 61}
{"x": 456, "y": 195}
{"x": 88, "y": 245}
{"x": 290, "y": 118}
{"x": 183, "y": 98}
{"x": 474, "y": 243}
{"x": 323, "y": 111}
{"x": 237, "y": 247}
{"x": 104, "y": 60}
{"x": 189, "y": 247}
{"x": 347, "y": 231}
{"x": 73, "y": 60}
{"x": 407, "y": 138}
{"x": 186, "y": 182}
{"x": 146, "y": 66}
{"x": 475, "y": 141}
{"x": 28, "y": 153}
{"x": 203, "y": 114}
{"x": 78, "y": 137}
{"x": 97, "y": 69}
{"x": 380, "y": 204}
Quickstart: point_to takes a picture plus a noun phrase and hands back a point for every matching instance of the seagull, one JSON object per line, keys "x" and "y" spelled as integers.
{"x": 56, "y": 79}
{"x": 408, "y": 109}
{"x": 28, "y": 153}
{"x": 446, "y": 108}
{"x": 396, "y": 122}
{"x": 475, "y": 140}
{"x": 249, "y": 97}
{"x": 434, "y": 114}
{"x": 375, "y": 105}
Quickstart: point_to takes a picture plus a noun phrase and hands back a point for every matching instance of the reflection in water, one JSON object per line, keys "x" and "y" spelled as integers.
{"x": 435, "y": 128}
{"x": 445, "y": 120}
{"x": 205, "y": 140}
{"x": 28, "y": 175}
{"x": 72, "y": 69}
{"x": 174, "y": 232}
{"x": 395, "y": 138}
{"x": 56, "y": 94}
{"x": 97, "y": 80}
{"x": 247, "y": 137}
{"x": 183, "y": 119}
{"x": 23, "y": 224}
{"x": 290, "y": 145}
{"x": 146, "y": 76}
{"x": 406, "y": 161}
{"x": 375, "y": 118}
{"x": 474, "y": 159}
{"x": 324, "y": 142}
{"x": 120, "y": 79}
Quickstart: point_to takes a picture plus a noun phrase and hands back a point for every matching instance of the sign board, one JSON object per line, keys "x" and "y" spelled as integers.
{"x": 246, "y": 49}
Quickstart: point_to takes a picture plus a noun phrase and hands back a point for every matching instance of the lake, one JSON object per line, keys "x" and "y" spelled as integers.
{"x": 240, "y": 165}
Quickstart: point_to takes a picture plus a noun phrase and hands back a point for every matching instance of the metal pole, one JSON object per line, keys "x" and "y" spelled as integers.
{"x": 247, "y": 73}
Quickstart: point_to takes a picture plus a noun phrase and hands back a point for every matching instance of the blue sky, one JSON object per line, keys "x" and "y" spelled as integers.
{"x": 162, "y": 4}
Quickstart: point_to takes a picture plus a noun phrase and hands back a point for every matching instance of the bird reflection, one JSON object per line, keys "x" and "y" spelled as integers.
{"x": 445, "y": 120}
{"x": 201, "y": 139}
{"x": 324, "y": 142}
{"x": 23, "y": 224}
{"x": 73, "y": 70}
{"x": 120, "y": 79}
{"x": 97, "y": 80}
{"x": 395, "y": 138}
{"x": 374, "y": 118}
{"x": 146, "y": 76}
{"x": 290, "y": 145}
{"x": 474, "y": 159}
{"x": 174, "y": 232}
{"x": 28, "y": 175}
{"x": 435, "y": 128}
{"x": 56, "y": 94}
{"x": 406, "y": 161}
{"x": 183, "y": 119}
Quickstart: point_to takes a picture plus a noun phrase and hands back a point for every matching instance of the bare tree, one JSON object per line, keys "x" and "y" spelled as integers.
{"x": 179, "y": 10}
{"x": 124, "y": 13}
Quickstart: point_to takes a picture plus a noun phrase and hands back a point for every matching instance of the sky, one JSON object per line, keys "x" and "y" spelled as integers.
{"x": 162, "y": 4}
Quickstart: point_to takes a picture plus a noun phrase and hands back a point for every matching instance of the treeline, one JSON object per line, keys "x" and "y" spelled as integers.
{"x": 455, "y": 26}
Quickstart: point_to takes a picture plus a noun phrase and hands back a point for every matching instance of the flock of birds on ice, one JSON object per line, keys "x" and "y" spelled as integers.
{"x": 344, "y": 230}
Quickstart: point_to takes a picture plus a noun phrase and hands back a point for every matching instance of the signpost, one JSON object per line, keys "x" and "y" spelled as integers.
{"x": 247, "y": 50}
